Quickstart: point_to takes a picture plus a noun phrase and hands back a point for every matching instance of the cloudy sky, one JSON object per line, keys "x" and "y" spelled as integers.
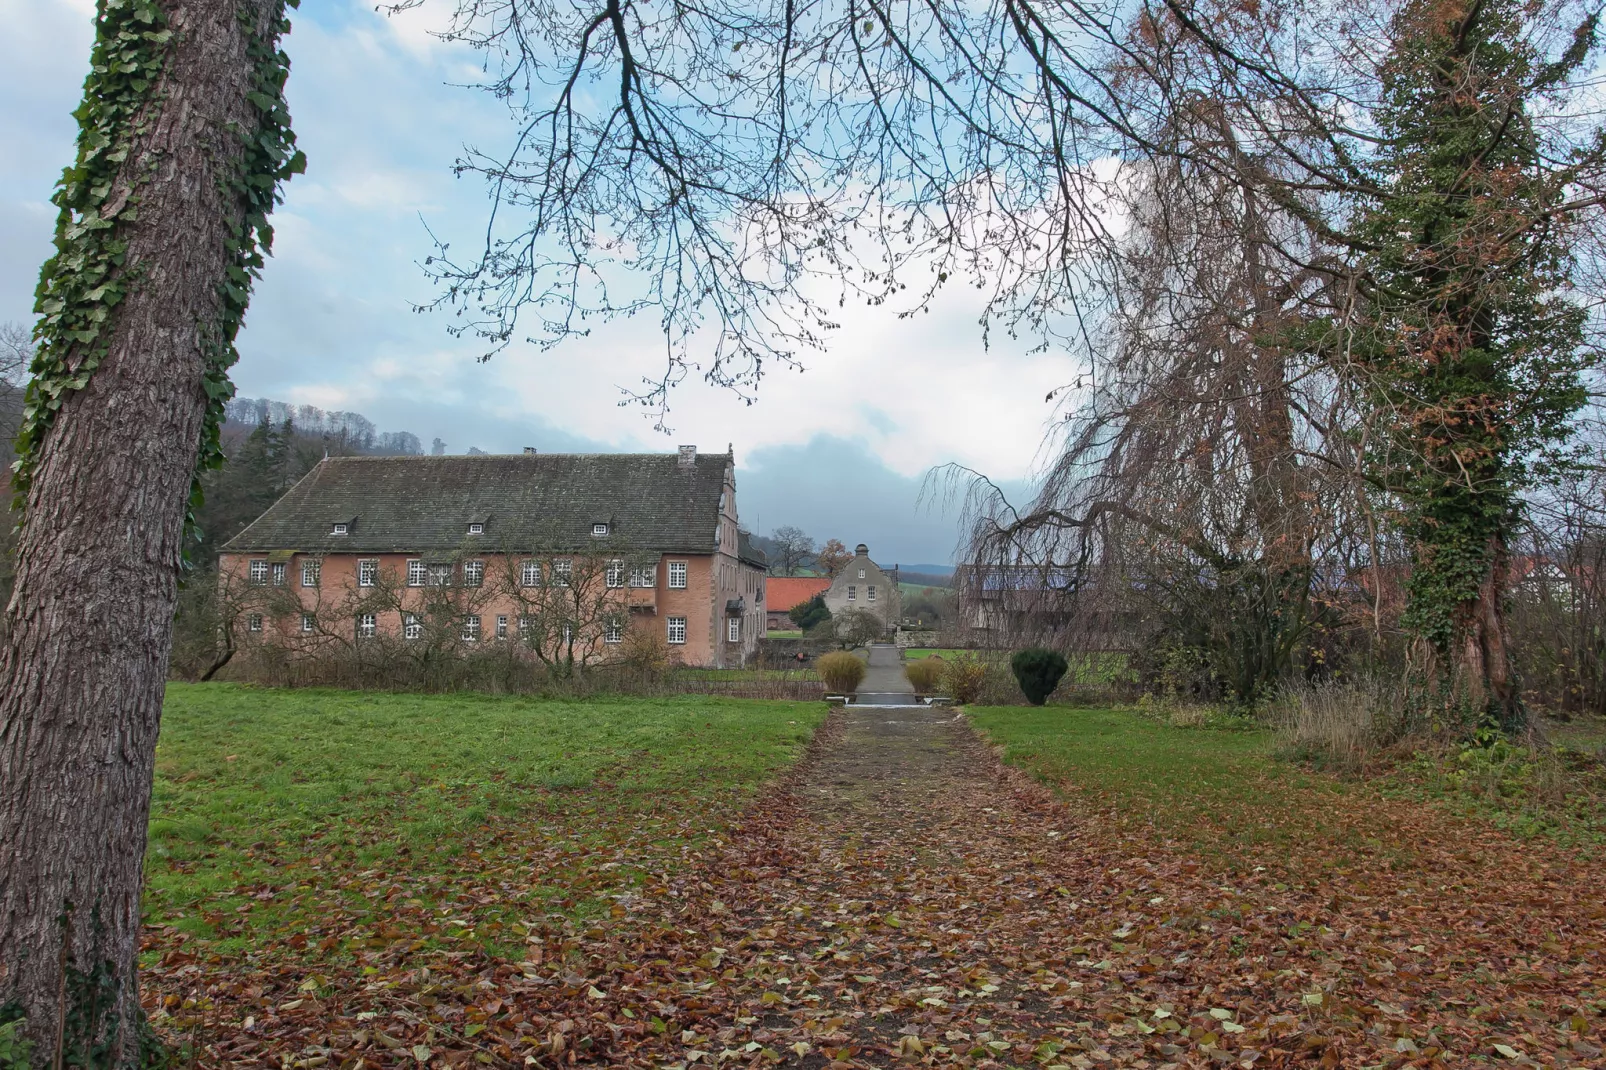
{"x": 840, "y": 449}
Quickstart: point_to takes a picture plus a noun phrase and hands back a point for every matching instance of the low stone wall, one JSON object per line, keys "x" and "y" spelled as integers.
{"x": 783, "y": 653}
{"x": 913, "y": 637}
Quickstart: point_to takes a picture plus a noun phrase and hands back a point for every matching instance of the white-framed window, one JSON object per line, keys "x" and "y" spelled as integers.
{"x": 677, "y": 575}
{"x": 412, "y": 626}
{"x": 281, "y": 573}
{"x": 870, "y": 593}
{"x": 440, "y": 575}
{"x": 307, "y": 623}
{"x": 853, "y": 593}
{"x": 599, "y": 528}
{"x": 524, "y": 627}
{"x": 613, "y": 631}
{"x": 568, "y": 631}
{"x": 367, "y": 626}
{"x": 501, "y": 625}
{"x": 676, "y": 630}
{"x": 368, "y": 572}
{"x": 311, "y": 569}
{"x": 861, "y": 574}
{"x": 733, "y": 629}
{"x": 259, "y": 573}
{"x": 562, "y": 569}
{"x": 471, "y": 628}
{"x": 476, "y": 529}
{"x": 644, "y": 576}
{"x": 417, "y": 574}
{"x": 473, "y": 573}
{"x": 616, "y": 573}
{"x": 253, "y": 623}
{"x": 341, "y": 529}
{"x": 530, "y": 574}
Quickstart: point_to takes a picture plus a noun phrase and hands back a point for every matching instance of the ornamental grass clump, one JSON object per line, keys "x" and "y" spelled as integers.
{"x": 963, "y": 676}
{"x": 1038, "y": 671}
{"x": 840, "y": 670}
{"x": 924, "y": 674}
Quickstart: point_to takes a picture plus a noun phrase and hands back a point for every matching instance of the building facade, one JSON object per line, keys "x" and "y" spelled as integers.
{"x": 862, "y": 584}
{"x": 565, "y": 554}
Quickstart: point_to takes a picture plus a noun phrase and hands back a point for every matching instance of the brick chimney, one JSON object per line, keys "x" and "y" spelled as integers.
{"x": 688, "y": 456}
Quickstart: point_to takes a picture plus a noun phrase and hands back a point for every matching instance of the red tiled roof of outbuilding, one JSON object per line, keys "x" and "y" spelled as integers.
{"x": 781, "y": 593}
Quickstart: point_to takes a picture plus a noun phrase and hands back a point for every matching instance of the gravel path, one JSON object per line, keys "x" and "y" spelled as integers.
{"x": 885, "y": 683}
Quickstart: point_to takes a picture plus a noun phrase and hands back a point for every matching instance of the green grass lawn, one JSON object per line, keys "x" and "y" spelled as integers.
{"x": 774, "y": 633}
{"x": 915, "y": 653}
{"x": 446, "y": 818}
{"x": 1224, "y": 792}
{"x": 1217, "y": 790}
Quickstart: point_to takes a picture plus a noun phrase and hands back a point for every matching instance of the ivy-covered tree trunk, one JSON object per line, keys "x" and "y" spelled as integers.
{"x": 183, "y": 141}
{"x": 1474, "y": 346}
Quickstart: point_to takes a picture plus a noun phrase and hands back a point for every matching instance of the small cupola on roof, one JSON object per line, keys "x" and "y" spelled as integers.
{"x": 862, "y": 550}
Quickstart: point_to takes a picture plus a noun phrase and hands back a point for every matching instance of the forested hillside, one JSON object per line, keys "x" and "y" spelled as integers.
{"x": 270, "y": 445}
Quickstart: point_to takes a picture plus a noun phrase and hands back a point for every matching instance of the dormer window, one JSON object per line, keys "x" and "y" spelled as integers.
{"x": 341, "y": 529}
{"x": 599, "y": 529}
{"x": 476, "y": 529}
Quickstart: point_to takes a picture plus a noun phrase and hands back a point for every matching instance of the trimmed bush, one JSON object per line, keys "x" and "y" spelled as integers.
{"x": 810, "y": 614}
{"x": 841, "y": 671}
{"x": 924, "y": 674}
{"x": 963, "y": 677}
{"x": 1038, "y": 671}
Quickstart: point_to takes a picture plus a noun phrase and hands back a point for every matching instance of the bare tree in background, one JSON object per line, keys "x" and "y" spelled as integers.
{"x": 572, "y": 609}
{"x": 793, "y": 549}
{"x": 16, "y": 353}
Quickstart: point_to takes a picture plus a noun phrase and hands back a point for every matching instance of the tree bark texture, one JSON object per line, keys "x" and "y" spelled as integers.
{"x": 1484, "y": 655}
{"x": 100, "y": 549}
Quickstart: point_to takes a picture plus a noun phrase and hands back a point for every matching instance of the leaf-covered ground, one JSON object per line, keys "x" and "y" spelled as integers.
{"x": 901, "y": 898}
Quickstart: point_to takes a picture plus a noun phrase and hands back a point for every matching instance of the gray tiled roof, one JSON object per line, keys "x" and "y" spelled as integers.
{"x": 527, "y": 502}
{"x": 746, "y": 551}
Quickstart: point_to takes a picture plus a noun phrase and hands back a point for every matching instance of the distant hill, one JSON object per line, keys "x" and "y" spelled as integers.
{"x": 351, "y": 430}
{"x": 931, "y": 570}
{"x": 922, "y": 575}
